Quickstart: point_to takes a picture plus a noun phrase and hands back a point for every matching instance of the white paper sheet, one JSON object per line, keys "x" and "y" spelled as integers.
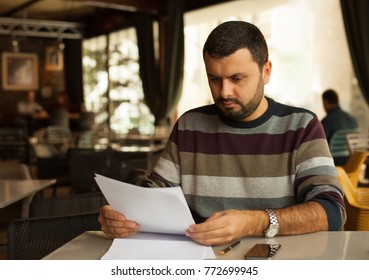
{"x": 154, "y": 246}
{"x": 163, "y": 215}
{"x": 162, "y": 210}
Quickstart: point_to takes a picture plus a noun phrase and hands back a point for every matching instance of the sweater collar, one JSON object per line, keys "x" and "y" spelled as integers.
{"x": 251, "y": 124}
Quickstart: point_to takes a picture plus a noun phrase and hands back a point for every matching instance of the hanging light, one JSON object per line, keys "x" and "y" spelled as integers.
{"x": 61, "y": 44}
{"x": 15, "y": 45}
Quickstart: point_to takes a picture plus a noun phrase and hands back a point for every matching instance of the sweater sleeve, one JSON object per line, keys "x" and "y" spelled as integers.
{"x": 316, "y": 175}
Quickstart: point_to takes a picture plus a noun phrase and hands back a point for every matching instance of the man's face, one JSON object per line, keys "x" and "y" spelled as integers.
{"x": 31, "y": 96}
{"x": 237, "y": 85}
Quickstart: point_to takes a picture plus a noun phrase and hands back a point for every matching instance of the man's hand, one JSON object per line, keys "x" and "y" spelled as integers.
{"x": 115, "y": 224}
{"x": 226, "y": 226}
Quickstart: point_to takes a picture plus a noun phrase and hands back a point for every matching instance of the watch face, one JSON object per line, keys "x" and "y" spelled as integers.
{"x": 271, "y": 232}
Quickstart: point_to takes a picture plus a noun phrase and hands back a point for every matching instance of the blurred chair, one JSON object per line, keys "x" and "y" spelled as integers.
{"x": 86, "y": 121}
{"x": 14, "y": 170}
{"x": 339, "y": 147}
{"x": 87, "y": 139}
{"x": 14, "y": 144}
{"x": 84, "y": 163}
{"x": 51, "y": 164}
{"x": 353, "y": 166}
{"x": 358, "y": 141}
{"x": 60, "y": 117}
{"x": 60, "y": 137}
{"x": 356, "y": 201}
{"x": 11, "y": 170}
{"x": 67, "y": 205}
{"x": 34, "y": 238}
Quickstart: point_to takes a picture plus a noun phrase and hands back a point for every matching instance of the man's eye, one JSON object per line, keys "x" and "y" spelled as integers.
{"x": 214, "y": 79}
{"x": 237, "y": 79}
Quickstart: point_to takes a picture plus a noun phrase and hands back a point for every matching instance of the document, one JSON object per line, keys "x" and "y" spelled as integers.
{"x": 164, "y": 217}
{"x": 154, "y": 246}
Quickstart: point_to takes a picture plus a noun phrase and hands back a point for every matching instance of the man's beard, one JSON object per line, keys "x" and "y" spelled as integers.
{"x": 246, "y": 109}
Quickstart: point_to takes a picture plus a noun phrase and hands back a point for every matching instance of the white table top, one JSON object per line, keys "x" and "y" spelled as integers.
{"x": 14, "y": 190}
{"x": 349, "y": 245}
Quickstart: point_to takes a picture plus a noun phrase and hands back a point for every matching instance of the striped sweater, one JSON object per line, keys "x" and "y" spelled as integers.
{"x": 278, "y": 160}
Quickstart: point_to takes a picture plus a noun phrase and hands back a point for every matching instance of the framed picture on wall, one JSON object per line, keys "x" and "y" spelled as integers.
{"x": 19, "y": 71}
{"x": 53, "y": 59}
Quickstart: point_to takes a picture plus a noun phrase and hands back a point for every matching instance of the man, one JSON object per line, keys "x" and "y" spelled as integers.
{"x": 29, "y": 111}
{"x": 30, "y": 108}
{"x": 248, "y": 166}
{"x": 336, "y": 118}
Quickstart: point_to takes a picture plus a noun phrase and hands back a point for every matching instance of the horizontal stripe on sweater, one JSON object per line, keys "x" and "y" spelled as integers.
{"x": 205, "y": 205}
{"x": 246, "y": 165}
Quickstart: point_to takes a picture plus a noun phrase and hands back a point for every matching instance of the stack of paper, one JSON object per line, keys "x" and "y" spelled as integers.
{"x": 163, "y": 215}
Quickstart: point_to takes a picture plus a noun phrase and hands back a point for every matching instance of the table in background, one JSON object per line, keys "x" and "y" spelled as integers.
{"x": 12, "y": 191}
{"x": 348, "y": 245}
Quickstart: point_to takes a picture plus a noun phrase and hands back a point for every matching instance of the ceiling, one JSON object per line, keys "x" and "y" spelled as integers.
{"x": 98, "y": 16}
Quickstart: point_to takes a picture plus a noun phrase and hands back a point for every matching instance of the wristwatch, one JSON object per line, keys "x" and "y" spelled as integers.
{"x": 273, "y": 228}
{"x": 273, "y": 248}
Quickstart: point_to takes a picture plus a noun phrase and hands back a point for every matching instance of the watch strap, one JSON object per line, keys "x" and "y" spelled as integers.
{"x": 273, "y": 220}
{"x": 273, "y": 228}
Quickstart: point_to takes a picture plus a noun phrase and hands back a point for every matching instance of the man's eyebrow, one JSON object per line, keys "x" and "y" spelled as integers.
{"x": 212, "y": 75}
{"x": 238, "y": 75}
{"x": 233, "y": 75}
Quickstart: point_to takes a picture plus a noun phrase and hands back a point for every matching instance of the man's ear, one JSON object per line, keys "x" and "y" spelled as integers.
{"x": 267, "y": 70}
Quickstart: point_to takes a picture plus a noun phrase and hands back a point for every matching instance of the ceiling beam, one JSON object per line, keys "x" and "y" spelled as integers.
{"x": 152, "y": 6}
{"x": 40, "y": 28}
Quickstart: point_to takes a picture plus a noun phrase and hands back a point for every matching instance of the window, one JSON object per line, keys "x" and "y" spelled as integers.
{"x": 113, "y": 87}
{"x": 307, "y": 47}
{"x": 95, "y": 78}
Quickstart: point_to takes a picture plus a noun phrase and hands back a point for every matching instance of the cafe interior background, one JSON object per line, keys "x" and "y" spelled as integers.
{"x": 89, "y": 49}
{"x": 307, "y": 42}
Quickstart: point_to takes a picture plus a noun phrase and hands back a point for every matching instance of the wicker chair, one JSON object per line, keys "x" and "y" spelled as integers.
{"x": 34, "y": 238}
{"x": 353, "y": 166}
{"x": 357, "y": 203}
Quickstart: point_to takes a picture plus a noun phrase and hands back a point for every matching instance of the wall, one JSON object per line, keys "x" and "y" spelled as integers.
{"x": 50, "y": 82}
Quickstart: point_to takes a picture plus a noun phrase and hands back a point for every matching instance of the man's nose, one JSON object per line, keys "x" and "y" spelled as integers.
{"x": 226, "y": 89}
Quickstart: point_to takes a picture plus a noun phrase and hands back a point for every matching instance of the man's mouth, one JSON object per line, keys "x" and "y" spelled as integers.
{"x": 228, "y": 104}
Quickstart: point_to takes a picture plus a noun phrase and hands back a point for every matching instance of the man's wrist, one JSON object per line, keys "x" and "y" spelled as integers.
{"x": 257, "y": 222}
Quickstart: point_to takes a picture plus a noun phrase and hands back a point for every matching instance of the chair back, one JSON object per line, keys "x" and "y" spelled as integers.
{"x": 86, "y": 121}
{"x": 34, "y": 238}
{"x": 353, "y": 166}
{"x": 59, "y": 117}
{"x": 44, "y": 150}
{"x": 14, "y": 170}
{"x": 358, "y": 141}
{"x": 67, "y": 205}
{"x": 84, "y": 163}
{"x": 14, "y": 144}
{"x": 356, "y": 202}
{"x": 60, "y": 137}
{"x": 339, "y": 147}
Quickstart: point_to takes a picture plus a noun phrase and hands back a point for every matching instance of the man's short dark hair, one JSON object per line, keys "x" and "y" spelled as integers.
{"x": 330, "y": 96}
{"x": 231, "y": 36}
